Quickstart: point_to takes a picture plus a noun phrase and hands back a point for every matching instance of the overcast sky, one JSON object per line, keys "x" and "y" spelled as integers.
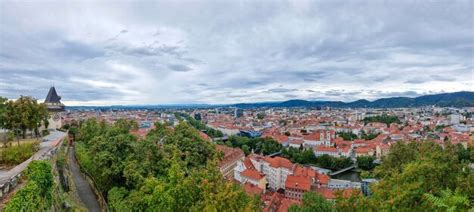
{"x": 162, "y": 52}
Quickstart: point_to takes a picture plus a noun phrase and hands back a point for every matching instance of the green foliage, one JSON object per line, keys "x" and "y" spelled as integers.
{"x": 366, "y": 174}
{"x": 36, "y": 195}
{"x": 15, "y": 155}
{"x": 384, "y": 118}
{"x": 352, "y": 202}
{"x": 366, "y": 162}
{"x": 463, "y": 153}
{"x": 312, "y": 202}
{"x": 333, "y": 163}
{"x": 213, "y": 133}
{"x": 439, "y": 128}
{"x": 23, "y": 114}
{"x": 296, "y": 155}
{"x": 306, "y": 156}
{"x": 172, "y": 169}
{"x": 413, "y": 169}
{"x": 3, "y": 107}
{"x": 369, "y": 136}
{"x": 347, "y": 136}
{"x": 260, "y": 116}
{"x": 258, "y": 145}
{"x": 28, "y": 198}
{"x": 449, "y": 201}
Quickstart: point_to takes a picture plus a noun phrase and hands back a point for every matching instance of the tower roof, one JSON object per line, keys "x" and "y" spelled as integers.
{"x": 52, "y": 96}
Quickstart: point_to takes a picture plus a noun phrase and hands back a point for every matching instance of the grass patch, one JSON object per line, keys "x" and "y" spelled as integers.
{"x": 22, "y": 141}
{"x": 15, "y": 155}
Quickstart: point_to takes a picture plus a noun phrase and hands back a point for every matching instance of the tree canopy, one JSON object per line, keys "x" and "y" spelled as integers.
{"x": 213, "y": 133}
{"x": 23, "y": 114}
{"x": 312, "y": 202}
{"x": 263, "y": 146}
{"x": 384, "y": 118}
{"x": 415, "y": 172}
{"x": 172, "y": 169}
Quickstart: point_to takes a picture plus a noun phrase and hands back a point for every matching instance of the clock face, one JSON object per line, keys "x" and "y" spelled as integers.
{"x": 56, "y": 117}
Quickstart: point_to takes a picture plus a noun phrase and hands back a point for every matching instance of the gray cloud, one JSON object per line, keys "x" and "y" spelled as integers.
{"x": 179, "y": 67}
{"x": 78, "y": 50}
{"x": 416, "y": 81}
{"x": 443, "y": 78}
{"x": 280, "y": 90}
{"x": 228, "y": 51}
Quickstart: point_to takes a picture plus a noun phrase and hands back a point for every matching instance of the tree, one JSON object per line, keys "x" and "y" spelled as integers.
{"x": 3, "y": 106}
{"x": 333, "y": 163}
{"x": 3, "y": 102}
{"x": 413, "y": 169}
{"x": 172, "y": 169}
{"x": 246, "y": 149}
{"x": 347, "y": 136}
{"x": 24, "y": 114}
{"x": 369, "y": 136}
{"x": 366, "y": 162}
{"x": 259, "y": 145}
{"x": 384, "y": 118}
{"x": 312, "y": 202}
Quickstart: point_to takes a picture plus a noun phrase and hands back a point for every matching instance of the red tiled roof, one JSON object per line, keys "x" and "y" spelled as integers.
{"x": 325, "y": 149}
{"x": 277, "y": 202}
{"x": 345, "y": 149}
{"x": 296, "y": 141}
{"x": 286, "y": 203}
{"x": 252, "y": 189}
{"x": 252, "y": 174}
{"x": 362, "y": 150}
{"x": 322, "y": 178}
{"x": 312, "y": 137}
{"x": 298, "y": 182}
{"x": 278, "y": 162}
{"x": 230, "y": 154}
{"x": 248, "y": 163}
{"x": 204, "y": 136}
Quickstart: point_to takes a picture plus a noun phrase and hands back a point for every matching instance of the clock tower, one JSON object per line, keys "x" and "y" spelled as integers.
{"x": 55, "y": 107}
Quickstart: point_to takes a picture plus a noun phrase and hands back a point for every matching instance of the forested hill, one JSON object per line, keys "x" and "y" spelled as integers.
{"x": 457, "y": 99}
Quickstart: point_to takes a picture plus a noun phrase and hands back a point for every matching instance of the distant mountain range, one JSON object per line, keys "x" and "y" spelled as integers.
{"x": 457, "y": 99}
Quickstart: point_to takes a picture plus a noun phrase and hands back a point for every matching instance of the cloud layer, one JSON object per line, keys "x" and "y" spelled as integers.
{"x": 234, "y": 51}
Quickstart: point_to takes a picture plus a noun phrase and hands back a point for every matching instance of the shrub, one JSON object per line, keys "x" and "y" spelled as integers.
{"x": 37, "y": 193}
{"x": 17, "y": 154}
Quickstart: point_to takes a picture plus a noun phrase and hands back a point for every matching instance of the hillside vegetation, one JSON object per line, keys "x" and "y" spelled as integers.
{"x": 173, "y": 169}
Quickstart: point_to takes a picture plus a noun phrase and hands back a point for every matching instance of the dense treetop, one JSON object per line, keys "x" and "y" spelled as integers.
{"x": 173, "y": 169}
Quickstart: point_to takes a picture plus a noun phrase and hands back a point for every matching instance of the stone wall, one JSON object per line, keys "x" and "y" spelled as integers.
{"x": 10, "y": 185}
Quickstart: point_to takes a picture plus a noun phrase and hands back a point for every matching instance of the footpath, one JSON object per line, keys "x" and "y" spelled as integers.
{"x": 84, "y": 189}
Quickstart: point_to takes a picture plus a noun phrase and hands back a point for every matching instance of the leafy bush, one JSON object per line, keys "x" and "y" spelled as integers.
{"x": 17, "y": 154}
{"x": 37, "y": 193}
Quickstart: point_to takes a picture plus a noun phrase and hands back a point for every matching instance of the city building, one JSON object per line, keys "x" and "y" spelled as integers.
{"x": 229, "y": 160}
